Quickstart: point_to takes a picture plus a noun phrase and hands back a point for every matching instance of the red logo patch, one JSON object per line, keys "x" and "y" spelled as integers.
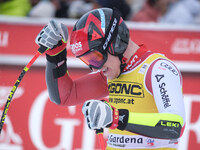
{"x": 95, "y": 36}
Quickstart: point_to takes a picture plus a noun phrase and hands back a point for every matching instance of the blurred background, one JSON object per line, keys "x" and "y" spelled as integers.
{"x": 171, "y": 27}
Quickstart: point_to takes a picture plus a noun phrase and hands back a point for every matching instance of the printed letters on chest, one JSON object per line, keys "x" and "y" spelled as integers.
{"x": 125, "y": 92}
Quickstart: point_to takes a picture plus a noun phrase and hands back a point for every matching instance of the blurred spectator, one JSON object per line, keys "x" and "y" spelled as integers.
{"x": 61, "y": 8}
{"x": 135, "y": 5}
{"x": 15, "y": 7}
{"x": 79, "y": 7}
{"x": 169, "y": 11}
{"x": 34, "y": 2}
{"x": 75, "y": 8}
{"x": 152, "y": 10}
{"x": 121, "y": 5}
{"x": 183, "y": 11}
{"x": 43, "y": 8}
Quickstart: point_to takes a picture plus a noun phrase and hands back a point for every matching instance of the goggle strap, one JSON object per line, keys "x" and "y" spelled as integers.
{"x": 111, "y": 31}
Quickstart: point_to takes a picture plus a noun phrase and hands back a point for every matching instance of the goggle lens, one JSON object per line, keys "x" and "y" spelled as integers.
{"x": 94, "y": 59}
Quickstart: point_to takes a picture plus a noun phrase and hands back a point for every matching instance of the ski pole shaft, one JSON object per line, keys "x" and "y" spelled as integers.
{"x": 101, "y": 141}
{"x": 99, "y": 133}
{"x": 40, "y": 51}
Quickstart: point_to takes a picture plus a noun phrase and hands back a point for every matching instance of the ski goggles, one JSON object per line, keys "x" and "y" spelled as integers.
{"x": 94, "y": 58}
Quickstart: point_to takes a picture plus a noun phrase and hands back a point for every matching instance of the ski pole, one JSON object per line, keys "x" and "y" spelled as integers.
{"x": 99, "y": 133}
{"x": 40, "y": 51}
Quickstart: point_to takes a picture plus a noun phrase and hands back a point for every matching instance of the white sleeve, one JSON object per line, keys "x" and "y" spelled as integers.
{"x": 166, "y": 85}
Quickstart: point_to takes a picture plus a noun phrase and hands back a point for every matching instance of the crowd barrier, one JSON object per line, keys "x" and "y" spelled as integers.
{"x": 33, "y": 122}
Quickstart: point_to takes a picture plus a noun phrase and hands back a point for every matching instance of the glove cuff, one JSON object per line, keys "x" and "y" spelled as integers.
{"x": 115, "y": 118}
{"x": 123, "y": 119}
{"x": 60, "y": 61}
{"x": 57, "y": 58}
{"x": 57, "y": 49}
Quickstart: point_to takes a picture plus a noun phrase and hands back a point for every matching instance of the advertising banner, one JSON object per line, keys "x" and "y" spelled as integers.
{"x": 178, "y": 43}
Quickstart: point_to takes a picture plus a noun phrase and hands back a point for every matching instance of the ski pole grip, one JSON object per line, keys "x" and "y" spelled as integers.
{"x": 42, "y": 49}
{"x": 99, "y": 131}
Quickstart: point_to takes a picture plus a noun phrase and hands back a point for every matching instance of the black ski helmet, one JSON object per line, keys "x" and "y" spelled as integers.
{"x": 103, "y": 28}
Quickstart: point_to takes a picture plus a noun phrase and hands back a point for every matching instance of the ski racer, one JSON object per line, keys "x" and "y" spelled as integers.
{"x": 145, "y": 109}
